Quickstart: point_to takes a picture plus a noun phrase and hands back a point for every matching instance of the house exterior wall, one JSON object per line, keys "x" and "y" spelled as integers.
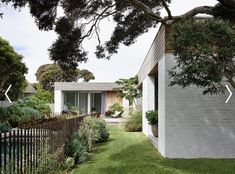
{"x": 148, "y": 102}
{"x": 112, "y": 98}
{"x": 195, "y": 125}
{"x": 58, "y": 102}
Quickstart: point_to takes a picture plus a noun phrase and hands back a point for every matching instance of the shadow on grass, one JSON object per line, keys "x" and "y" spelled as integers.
{"x": 141, "y": 158}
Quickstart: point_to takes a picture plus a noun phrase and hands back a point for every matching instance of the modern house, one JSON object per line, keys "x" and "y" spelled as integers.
{"x": 191, "y": 125}
{"x": 87, "y": 97}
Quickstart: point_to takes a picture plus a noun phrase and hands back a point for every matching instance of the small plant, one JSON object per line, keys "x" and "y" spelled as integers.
{"x": 4, "y": 127}
{"x": 69, "y": 163}
{"x": 152, "y": 117}
{"x": 116, "y": 108}
{"x": 134, "y": 122}
{"x": 76, "y": 148}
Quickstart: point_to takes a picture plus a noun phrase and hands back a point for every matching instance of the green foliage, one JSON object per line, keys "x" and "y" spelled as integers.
{"x": 49, "y": 73}
{"x": 204, "y": 53}
{"x": 134, "y": 122}
{"x": 152, "y": 117}
{"x": 12, "y": 71}
{"x": 116, "y": 107}
{"x": 36, "y": 103}
{"x": 76, "y": 148}
{"x": 127, "y": 88}
{"x": 4, "y": 127}
{"x": 44, "y": 95}
{"x": 91, "y": 131}
{"x": 69, "y": 163}
{"x": 17, "y": 114}
{"x": 100, "y": 125}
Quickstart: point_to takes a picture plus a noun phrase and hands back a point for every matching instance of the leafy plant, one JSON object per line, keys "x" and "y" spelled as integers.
{"x": 35, "y": 103}
{"x": 76, "y": 148}
{"x": 4, "y": 127}
{"x": 100, "y": 125}
{"x": 152, "y": 117}
{"x": 116, "y": 107}
{"x": 134, "y": 122}
{"x": 69, "y": 163}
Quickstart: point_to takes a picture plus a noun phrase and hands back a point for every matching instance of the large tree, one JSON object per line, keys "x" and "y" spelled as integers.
{"x": 49, "y": 73}
{"x": 128, "y": 89}
{"x": 12, "y": 71}
{"x": 132, "y": 18}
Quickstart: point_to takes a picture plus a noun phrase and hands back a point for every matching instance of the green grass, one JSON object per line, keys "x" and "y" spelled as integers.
{"x": 132, "y": 153}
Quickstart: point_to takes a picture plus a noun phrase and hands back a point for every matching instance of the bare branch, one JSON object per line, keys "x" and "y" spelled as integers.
{"x": 146, "y": 10}
{"x": 193, "y": 12}
{"x": 167, "y": 9}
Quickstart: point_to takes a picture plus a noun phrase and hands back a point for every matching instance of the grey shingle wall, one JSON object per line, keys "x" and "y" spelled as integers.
{"x": 197, "y": 125}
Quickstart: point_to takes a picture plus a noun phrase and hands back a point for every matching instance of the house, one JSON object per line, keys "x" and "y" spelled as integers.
{"x": 29, "y": 90}
{"x": 191, "y": 125}
{"x": 86, "y": 96}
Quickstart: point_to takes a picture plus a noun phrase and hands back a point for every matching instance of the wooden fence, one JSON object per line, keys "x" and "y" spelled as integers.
{"x": 22, "y": 149}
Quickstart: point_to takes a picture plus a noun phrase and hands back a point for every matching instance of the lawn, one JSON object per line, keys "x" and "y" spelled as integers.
{"x": 132, "y": 153}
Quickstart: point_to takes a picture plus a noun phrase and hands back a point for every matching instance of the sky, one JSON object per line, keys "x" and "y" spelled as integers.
{"x": 19, "y": 29}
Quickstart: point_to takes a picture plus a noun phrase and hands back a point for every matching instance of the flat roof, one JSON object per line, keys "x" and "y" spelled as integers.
{"x": 85, "y": 86}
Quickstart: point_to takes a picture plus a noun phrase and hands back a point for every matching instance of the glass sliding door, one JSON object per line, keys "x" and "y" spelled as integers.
{"x": 83, "y": 103}
{"x": 70, "y": 101}
{"x": 96, "y": 102}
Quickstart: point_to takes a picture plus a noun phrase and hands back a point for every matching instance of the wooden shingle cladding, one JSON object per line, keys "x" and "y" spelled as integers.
{"x": 159, "y": 47}
{"x": 112, "y": 98}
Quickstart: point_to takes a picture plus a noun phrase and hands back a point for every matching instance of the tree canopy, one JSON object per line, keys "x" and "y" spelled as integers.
{"x": 47, "y": 74}
{"x": 12, "y": 71}
{"x": 127, "y": 88}
{"x": 205, "y": 52}
{"x": 132, "y": 18}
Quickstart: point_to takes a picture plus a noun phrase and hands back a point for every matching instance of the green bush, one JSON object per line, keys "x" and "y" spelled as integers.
{"x": 4, "y": 127}
{"x": 16, "y": 114}
{"x": 100, "y": 125}
{"x": 76, "y": 148}
{"x": 116, "y": 108}
{"x": 152, "y": 117}
{"x": 36, "y": 103}
{"x": 91, "y": 131}
{"x": 69, "y": 163}
{"x": 134, "y": 122}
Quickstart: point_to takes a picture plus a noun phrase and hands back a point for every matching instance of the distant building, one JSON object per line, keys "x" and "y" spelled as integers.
{"x": 29, "y": 90}
{"x": 86, "y": 97}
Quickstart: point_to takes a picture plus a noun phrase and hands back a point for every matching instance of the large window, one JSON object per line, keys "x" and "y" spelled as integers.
{"x": 79, "y": 102}
{"x": 96, "y": 102}
{"x": 83, "y": 103}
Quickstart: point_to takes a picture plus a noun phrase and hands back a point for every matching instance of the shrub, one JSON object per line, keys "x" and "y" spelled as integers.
{"x": 16, "y": 114}
{"x": 116, "y": 108}
{"x": 36, "y": 103}
{"x": 152, "y": 117}
{"x": 100, "y": 125}
{"x": 87, "y": 132}
{"x": 76, "y": 148}
{"x": 69, "y": 163}
{"x": 134, "y": 122}
{"x": 4, "y": 127}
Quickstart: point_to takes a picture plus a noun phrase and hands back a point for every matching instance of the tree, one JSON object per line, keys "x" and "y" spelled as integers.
{"x": 205, "y": 52}
{"x": 49, "y": 73}
{"x": 132, "y": 18}
{"x": 127, "y": 88}
{"x": 12, "y": 71}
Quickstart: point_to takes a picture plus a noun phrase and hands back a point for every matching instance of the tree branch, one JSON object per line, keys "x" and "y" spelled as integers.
{"x": 193, "y": 12}
{"x": 146, "y": 10}
{"x": 167, "y": 8}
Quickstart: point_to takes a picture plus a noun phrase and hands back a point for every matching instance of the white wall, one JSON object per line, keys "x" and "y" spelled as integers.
{"x": 196, "y": 125}
{"x": 58, "y": 102}
{"x": 161, "y": 105}
{"x": 148, "y": 102}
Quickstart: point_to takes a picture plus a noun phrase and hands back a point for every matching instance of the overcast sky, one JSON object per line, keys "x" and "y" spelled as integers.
{"x": 22, "y": 33}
